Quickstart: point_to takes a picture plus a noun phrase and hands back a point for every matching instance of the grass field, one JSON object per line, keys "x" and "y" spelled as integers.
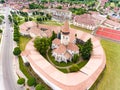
{"x": 52, "y": 23}
{"x": 27, "y": 71}
{"x": 23, "y": 42}
{"x": 110, "y": 77}
{"x": 79, "y": 28}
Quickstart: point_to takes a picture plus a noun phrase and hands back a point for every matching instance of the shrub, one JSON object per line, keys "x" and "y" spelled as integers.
{"x": 31, "y": 81}
{"x": 74, "y": 68}
{"x": 21, "y": 81}
{"x": 39, "y": 87}
{"x": 75, "y": 58}
{"x": 17, "y": 51}
{"x": 0, "y": 30}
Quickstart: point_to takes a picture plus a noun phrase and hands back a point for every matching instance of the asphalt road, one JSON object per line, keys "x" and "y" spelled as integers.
{"x": 9, "y": 78}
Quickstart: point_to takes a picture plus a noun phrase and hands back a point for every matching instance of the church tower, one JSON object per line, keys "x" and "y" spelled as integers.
{"x": 65, "y": 34}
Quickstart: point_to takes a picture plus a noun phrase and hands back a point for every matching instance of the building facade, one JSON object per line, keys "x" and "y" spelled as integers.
{"x": 63, "y": 49}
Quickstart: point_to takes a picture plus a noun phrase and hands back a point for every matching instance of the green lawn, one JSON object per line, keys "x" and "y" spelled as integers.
{"x": 63, "y": 70}
{"x": 27, "y": 71}
{"x": 65, "y": 67}
{"x": 61, "y": 64}
{"x": 82, "y": 63}
{"x": 110, "y": 78}
{"x": 23, "y": 41}
{"x": 81, "y": 29}
{"x": 23, "y": 68}
{"x": 52, "y": 23}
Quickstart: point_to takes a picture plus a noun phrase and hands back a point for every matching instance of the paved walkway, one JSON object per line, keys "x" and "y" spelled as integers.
{"x": 72, "y": 81}
{"x": 60, "y": 67}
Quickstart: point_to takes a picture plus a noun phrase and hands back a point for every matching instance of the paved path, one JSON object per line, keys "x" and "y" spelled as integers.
{"x": 73, "y": 81}
{"x": 60, "y": 67}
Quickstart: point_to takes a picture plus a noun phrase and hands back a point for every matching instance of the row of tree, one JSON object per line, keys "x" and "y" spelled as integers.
{"x": 21, "y": 81}
{"x": 31, "y": 82}
{"x": 78, "y": 11}
{"x": 44, "y": 18}
{"x": 36, "y": 6}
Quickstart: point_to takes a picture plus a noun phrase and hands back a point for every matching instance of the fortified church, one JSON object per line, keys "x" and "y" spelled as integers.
{"x": 63, "y": 48}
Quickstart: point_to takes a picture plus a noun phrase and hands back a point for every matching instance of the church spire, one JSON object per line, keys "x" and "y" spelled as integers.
{"x": 65, "y": 29}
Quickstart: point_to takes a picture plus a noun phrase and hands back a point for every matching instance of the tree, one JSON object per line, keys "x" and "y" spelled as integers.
{"x": 30, "y": 19}
{"x": 17, "y": 51}
{"x": 41, "y": 44}
{"x": 54, "y": 35}
{"x": 26, "y": 19}
{"x": 39, "y": 19}
{"x": 39, "y": 87}
{"x": 59, "y": 7}
{"x": 16, "y": 33}
{"x": 21, "y": 81}
{"x": 0, "y": 30}
{"x": 0, "y": 21}
{"x": 1, "y": 16}
{"x": 87, "y": 49}
{"x": 2, "y": 1}
{"x": 10, "y": 18}
{"x": 31, "y": 81}
{"x": 75, "y": 58}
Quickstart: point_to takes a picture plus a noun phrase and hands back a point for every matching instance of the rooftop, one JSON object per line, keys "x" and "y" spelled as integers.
{"x": 65, "y": 28}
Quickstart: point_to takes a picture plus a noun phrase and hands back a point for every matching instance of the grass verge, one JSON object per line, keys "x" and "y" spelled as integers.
{"x": 28, "y": 71}
{"x": 81, "y": 29}
{"x": 111, "y": 78}
{"x": 61, "y": 64}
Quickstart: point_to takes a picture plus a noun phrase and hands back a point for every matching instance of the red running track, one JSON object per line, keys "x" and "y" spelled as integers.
{"x": 108, "y": 33}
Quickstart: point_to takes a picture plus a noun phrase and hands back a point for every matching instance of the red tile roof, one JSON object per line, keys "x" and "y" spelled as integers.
{"x": 56, "y": 41}
{"x": 72, "y": 47}
{"x": 60, "y": 50}
{"x": 110, "y": 22}
{"x": 66, "y": 27}
{"x": 86, "y": 19}
{"x": 68, "y": 55}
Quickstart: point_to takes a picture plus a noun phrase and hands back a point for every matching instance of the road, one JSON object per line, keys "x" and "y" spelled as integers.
{"x": 9, "y": 78}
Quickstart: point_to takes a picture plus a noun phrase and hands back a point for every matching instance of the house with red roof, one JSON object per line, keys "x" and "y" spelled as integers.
{"x": 86, "y": 21}
{"x": 112, "y": 24}
{"x": 58, "y": 14}
{"x": 64, "y": 49}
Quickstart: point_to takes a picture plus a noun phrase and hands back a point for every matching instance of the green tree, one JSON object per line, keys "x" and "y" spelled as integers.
{"x": 17, "y": 51}
{"x": 87, "y": 49}
{"x": 2, "y": 1}
{"x": 0, "y": 21}
{"x": 1, "y": 16}
{"x": 31, "y": 81}
{"x": 26, "y": 19}
{"x": 59, "y": 7}
{"x": 75, "y": 58}
{"x": 0, "y": 30}
{"x": 54, "y": 35}
{"x": 21, "y": 81}
{"x": 30, "y": 19}
{"x": 41, "y": 44}
{"x": 39, "y": 19}
{"x": 10, "y": 18}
